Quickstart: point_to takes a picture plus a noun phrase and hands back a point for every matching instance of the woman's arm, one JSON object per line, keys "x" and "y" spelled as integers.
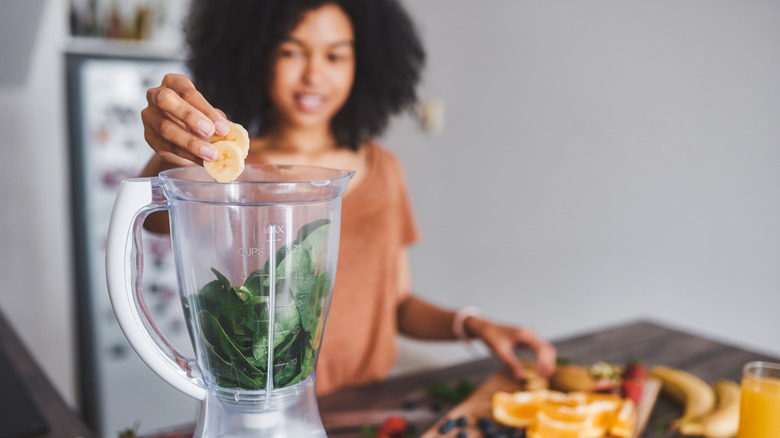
{"x": 420, "y": 319}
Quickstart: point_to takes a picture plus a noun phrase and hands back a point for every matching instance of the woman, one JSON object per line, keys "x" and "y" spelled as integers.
{"x": 315, "y": 83}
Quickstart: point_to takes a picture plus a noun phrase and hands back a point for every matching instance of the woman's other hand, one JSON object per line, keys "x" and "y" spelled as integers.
{"x": 178, "y": 122}
{"x": 503, "y": 340}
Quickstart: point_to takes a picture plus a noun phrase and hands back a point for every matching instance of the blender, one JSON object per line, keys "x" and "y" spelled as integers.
{"x": 256, "y": 262}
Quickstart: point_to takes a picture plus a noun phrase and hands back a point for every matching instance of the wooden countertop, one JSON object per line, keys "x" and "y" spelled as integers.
{"x": 656, "y": 343}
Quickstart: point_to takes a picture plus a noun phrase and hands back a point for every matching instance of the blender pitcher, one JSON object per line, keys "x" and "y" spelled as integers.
{"x": 256, "y": 262}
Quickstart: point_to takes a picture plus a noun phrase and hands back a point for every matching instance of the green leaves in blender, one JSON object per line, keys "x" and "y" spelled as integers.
{"x": 234, "y": 320}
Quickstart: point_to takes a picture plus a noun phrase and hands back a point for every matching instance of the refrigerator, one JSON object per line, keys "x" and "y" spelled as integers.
{"x": 106, "y": 93}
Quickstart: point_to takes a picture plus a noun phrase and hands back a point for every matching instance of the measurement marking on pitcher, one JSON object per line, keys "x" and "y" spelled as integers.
{"x": 293, "y": 331}
{"x": 274, "y": 228}
{"x": 274, "y": 231}
{"x": 251, "y": 252}
{"x": 293, "y": 362}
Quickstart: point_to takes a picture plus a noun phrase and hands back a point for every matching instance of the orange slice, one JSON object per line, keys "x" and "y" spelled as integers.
{"x": 601, "y": 415}
{"x": 546, "y": 427}
{"x": 566, "y": 414}
{"x": 570, "y": 399}
{"x": 517, "y": 409}
{"x": 625, "y": 421}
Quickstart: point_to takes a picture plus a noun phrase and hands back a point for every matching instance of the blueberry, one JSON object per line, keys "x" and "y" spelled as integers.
{"x": 447, "y": 426}
{"x": 461, "y": 434}
{"x": 410, "y": 404}
{"x": 436, "y": 406}
{"x": 462, "y": 422}
{"x": 483, "y": 423}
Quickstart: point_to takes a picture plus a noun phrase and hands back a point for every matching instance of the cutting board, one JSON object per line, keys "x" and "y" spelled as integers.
{"x": 479, "y": 404}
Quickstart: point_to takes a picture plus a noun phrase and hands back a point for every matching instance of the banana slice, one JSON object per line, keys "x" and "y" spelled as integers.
{"x": 229, "y": 164}
{"x": 236, "y": 134}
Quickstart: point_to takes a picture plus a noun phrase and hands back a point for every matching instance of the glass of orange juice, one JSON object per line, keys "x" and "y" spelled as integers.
{"x": 759, "y": 415}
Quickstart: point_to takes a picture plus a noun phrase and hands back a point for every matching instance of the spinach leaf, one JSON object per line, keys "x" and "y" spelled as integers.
{"x": 287, "y": 321}
{"x": 240, "y": 371}
{"x": 254, "y": 283}
{"x": 287, "y": 359}
{"x": 302, "y": 255}
{"x": 315, "y": 241}
{"x": 307, "y": 229}
{"x": 324, "y": 285}
{"x": 307, "y": 360}
{"x": 284, "y": 374}
{"x": 227, "y": 376}
{"x": 304, "y": 290}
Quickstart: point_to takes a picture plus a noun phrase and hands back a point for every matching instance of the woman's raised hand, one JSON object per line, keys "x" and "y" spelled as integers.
{"x": 178, "y": 122}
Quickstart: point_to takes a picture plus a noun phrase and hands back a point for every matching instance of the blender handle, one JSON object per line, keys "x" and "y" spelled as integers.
{"x": 136, "y": 199}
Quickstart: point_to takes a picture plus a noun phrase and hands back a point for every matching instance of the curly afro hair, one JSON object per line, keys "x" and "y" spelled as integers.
{"x": 232, "y": 45}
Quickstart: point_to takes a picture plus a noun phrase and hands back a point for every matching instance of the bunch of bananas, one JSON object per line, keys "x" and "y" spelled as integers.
{"x": 709, "y": 411}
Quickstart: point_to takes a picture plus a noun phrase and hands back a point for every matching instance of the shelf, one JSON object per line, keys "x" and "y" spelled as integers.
{"x": 93, "y": 46}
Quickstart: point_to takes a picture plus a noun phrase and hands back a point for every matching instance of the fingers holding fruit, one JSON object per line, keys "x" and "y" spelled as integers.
{"x": 546, "y": 355}
{"x": 165, "y": 136}
{"x": 236, "y": 134}
{"x": 504, "y": 340}
{"x": 181, "y": 120}
{"x": 178, "y": 97}
{"x": 545, "y": 352}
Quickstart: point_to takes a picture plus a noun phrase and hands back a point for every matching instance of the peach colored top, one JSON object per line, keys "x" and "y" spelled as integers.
{"x": 377, "y": 223}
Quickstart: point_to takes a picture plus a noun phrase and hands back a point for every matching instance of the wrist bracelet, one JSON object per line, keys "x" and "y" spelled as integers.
{"x": 458, "y": 323}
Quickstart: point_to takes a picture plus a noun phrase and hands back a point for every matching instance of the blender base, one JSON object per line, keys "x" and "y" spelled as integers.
{"x": 290, "y": 412}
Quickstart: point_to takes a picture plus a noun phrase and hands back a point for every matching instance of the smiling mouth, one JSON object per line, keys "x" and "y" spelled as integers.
{"x": 309, "y": 102}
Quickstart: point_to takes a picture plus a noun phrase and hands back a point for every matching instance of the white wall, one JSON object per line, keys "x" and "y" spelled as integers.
{"x": 601, "y": 161}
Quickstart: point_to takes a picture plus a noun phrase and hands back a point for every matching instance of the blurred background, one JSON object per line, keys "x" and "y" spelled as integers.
{"x": 573, "y": 165}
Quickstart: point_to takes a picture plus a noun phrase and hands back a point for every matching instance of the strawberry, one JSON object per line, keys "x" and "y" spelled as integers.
{"x": 635, "y": 370}
{"x": 394, "y": 426}
{"x": 632, "y": 389}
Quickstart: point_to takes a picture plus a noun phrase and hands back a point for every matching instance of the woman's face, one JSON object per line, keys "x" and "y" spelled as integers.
{"x": 314, "y": 69}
